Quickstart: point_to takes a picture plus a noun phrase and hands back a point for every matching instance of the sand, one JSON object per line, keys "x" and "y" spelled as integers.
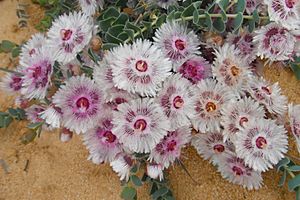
{"x": 61, "y": 171}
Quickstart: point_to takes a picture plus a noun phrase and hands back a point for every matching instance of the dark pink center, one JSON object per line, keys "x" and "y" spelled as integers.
{"x": 110, "y": 137}
{"x": 141, "y": 65}
{"x": 31, "y": 52}
{"x": 171, "y": 145}
{"x": 180, "y": 44}
{"x": 140, "y": 124}
{"x": 290, "y": 3}
{"x": 219, "y": 148}
{"x": 237, "y": 170}
{"x": 128, "y": 160}
{"x": 261, "y": 142}
{"x": 120, "y": 100}
{"x": 83, "y": 102}
{"x": 66, "y": 34}
{"x": 266, "y": 90}
{"x": 178, "y": 102}
{"x": 243, "y": 120}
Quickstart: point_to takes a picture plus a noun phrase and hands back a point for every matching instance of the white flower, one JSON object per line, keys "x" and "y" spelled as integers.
{"x": 140, "y": 125}
{"x": 261, "y": 144}
{"x": 177, "y": 42}
{"x": 69, "y": 34}
{"x": 211, "y": 145}
{"x": 32, "y": 47}
{"x": 177, "y": 99}
{"x": 284, "y": 12}
{"x": 268, "y": 95}
{"x": 230, "y": 69}
{"x": 52, "y": 116}
{"x": 155, "y": 171}
{"x": 235, "y": 171}
{"x": 274, "y": 42}
{"x": 101, "y": 142}
{"x": 211, "y": 97}
{"x": 294, "y": 119}
{"x": 114, "y": 97}
{"x": 169, "y": 148}
{"x": 89, "y": 7}
{"x": 11, "y": 83}
{"x": 33, "y": 113}
{"x": 163, "y": 3}
{"x": 236, "y": 115}
{"x": 139, "y": 68}
{"x": 103, "y": 74}
{"x": 80, "y": 101}
{"x": 122, "y": 165}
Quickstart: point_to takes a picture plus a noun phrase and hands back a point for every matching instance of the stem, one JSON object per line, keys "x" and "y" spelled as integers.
{"x": 10, "y": 71}
{"x": 290, "y": 172}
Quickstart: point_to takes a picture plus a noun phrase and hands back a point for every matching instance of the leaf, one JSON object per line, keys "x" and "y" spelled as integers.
{"x": 294, "y": 183}
{"x": 188, "y": 11}
{"x": 219, "y": 25}
{"x": 108, "y": 46}
{"x": 240, "y": 6}
{"x": 130, "y": 25}
{"x": 28, "y": 137}
{"x": 282, "y": 179}
{"x": 208, "y": 21}
{"x": 128, "y": 193}
{"x": 111, "y": 12}
{"x": 171, "y": 16}
{"x": 116, "y": 30}
{"x": 7, "y": 46}
{"x": 35, "y": 125}
{"x": 7, "y": 121}
{"x": 13, "y": 112}
{"x": 123, "y": 36}
{"x": 16, "y": 52}
{"x": 130, "y": 33}
{"x": 160, "y": 192}
{"x": 196, "y": 16}
{"x": 161, "y": 19}
{"x": 283, "y": 162}
{"x": 294, "y": 168}
{"x": 134, "y": 169}
{"x": 112, "y": 39}
{"x": 237, "y": 22}
{"x": 122, "y": 19}
{"x": 105, "y": 24}
{"x": 223, "y": 4}
{"x": 169, "y": 198}
{"x": 296, "y": 70}
{"x": 136, "y": 180}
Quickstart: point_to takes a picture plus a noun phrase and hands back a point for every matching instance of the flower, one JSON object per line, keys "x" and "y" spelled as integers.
{"x": 236, "y": 171}
{"x": 243, "y": 42}
{"x": 140, "y": 125}
{"x": 32, "y": 47}
{"x": 251, "y": 5}
{"x": 211, "y": 97}
{"x": 177, "y": 42}
{"x": 101, "y": 142}
{"x": 155, "y": 171}
{"x": 11, "y": 83}
{"x": 211, "y": 145}
{"x": 261, "y": 144}
{"x": 236, "y": 115}
{"x": 103, "y": 74}
{"x": 230, "y": 69}
{"x": 115, "y": 97}
{"x": 69, "y": 34}
{"x": 163, "y": 3}
{"x": 268, "y": 95}
{"x": 89, "y": 7}
{"x": 80, "y": 101}
{"x": 33, "y": 113}
{"x": 37, "y": 74}
{"x": 71, "y": 69}
{"x": 177, "y": 99}
{"x": 294, "y": 118}
{"x": 65, "y": 135}
{"x": 122, "y": 165}
{"x": 52, "y": 115}
{"x": 169, "y": 148}
{"x": 284, "y": 12}
{"x": 139, "y": 68}
{"x": 274, "y": 42}
{"x": 195, "y": 69}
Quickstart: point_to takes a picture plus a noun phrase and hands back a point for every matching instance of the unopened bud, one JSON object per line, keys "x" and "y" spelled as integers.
{"x": 96, "y": 43}
{"x": 65, "y": 135}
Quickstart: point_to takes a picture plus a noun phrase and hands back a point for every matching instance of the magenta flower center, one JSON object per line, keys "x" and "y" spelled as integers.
{"x": 219, "y": 148}
{"x": 83, "y": 102}
{"x": 243, "y": 120}
{"x": 266, "y": 90}
{"x": 128, "y": 160}
{"x": 119, "y": 100}
{"x": 110, "y": 137}
{"x": 66, "y": 34}
{"x": 261, "y": 143}
{"x": 140, "y": 124}
{"x": 178, "y": 102}
{"x": 237, "y": 170}
{"x": 180, "y": 44}
{"x": 290, "y": 3}
{"x": 31, "y": 52}
{"x": 141, "y": 65}
{"x": 171, "y": 145}
{"x": 16, "y": 83}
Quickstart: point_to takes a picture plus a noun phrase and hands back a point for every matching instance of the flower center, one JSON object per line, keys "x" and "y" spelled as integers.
{"x": 266, "y": 90}
{"x": 120, "y": 100}
{"x": 171, "y": 145}
{"x": 210, "y": 106}
{"x": 128, "y": 160}
{"x": 237, "y": 170}
{"x": 219, "y": 148}
{"x": 180, "y": 44}
{"x": 141, "y": 65}
{"x": 178, "y": 102}
{"x": 243, "y": 120}
{"x": 66, "y": 34}
{"x": 110, "y": 137}
{"x": 290, "y": 3}
{"x": 83, "y": 102}
{"x": 261, "y": 143}
{"x": 235, "y": 71}
{"x": 140, "y": 124}
{"x": 31, "y": 52}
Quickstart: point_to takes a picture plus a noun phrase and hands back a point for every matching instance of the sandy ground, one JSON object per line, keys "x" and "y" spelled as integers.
{"x": 60, "y": 171}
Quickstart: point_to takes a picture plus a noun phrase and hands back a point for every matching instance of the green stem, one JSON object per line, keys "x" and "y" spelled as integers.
{"x": 289, "y": 171}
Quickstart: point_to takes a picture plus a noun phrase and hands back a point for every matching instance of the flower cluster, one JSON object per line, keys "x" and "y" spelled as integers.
{"x": 140, "y": 101}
